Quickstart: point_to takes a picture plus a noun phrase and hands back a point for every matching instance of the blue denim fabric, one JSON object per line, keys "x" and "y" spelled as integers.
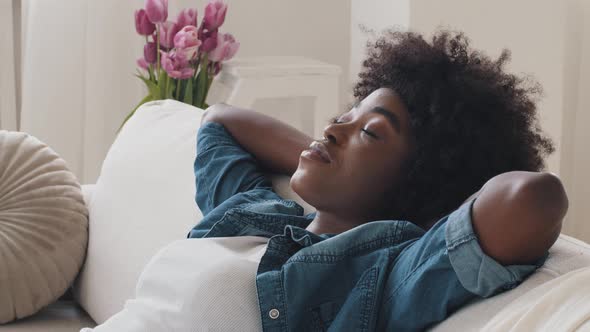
{"x": 383, "y": 275}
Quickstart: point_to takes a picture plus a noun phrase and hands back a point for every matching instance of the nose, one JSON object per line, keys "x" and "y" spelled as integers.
{"x": 334, "y": 133}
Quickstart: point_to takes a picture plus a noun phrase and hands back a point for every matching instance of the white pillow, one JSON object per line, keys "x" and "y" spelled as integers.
{"x": 195, "y": 285}
{"x": 566, "y": 255}
{"x": 144, "y": 199}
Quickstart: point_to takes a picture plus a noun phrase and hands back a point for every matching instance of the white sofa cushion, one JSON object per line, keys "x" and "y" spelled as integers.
{"x": 195, "y": 285}
{"x": 566, "y": 255}
{"x": 142, "y": 200}
{"x": 562, "y": 304}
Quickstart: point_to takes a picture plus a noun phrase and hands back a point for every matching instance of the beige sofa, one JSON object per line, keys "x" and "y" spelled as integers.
{"x": 144, "y": 199}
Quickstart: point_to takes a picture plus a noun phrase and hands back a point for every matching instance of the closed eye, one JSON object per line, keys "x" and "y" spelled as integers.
{"x": 369, "y": 133}
{"x": 336, "y": 120}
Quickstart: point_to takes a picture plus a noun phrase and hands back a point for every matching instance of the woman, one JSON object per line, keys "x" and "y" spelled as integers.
{"x": 391, "y": 246}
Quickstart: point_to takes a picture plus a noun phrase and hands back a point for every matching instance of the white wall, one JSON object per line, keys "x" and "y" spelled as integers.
{"x": 376, "y": 15}
{"x": 550, "y": 40}
{"x": 8, "y": 86}
{"x": 80, "y": 59}
{"x": 536, "y": 42}
{"x": 576, "y": 106}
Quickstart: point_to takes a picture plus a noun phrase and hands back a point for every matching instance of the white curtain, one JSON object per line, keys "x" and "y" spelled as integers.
{"x": 77, "y": 82}
{"x": 8, "y": 84}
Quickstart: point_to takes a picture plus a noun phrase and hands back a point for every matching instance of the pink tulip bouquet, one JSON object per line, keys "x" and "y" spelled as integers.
{"x": 181, "y": 58}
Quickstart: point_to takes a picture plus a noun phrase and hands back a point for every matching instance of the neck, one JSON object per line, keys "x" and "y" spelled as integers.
{"x": 327, "y": 222}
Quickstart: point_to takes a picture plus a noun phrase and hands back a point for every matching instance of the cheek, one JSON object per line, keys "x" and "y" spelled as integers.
{"x": 376, "y": 176}
{"x": 360, "y": 180}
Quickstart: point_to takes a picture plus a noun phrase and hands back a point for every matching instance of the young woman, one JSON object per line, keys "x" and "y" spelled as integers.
{"x": 394, "y": 244}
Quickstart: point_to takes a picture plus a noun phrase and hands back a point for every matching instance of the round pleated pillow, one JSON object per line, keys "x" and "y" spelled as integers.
{"x": 43, "y": 226}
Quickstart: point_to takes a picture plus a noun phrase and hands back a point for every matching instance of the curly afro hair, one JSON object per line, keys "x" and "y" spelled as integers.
{"x": 470, "y": 119}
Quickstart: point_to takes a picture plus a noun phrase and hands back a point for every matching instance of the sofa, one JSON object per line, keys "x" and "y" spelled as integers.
{"x": 144, "y": 199}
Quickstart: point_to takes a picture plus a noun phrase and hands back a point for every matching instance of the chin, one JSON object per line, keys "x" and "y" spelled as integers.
{"x": 306, "y": 186}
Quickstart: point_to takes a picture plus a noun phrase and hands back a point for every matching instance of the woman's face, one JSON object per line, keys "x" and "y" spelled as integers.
{"x": 363, "y": 153}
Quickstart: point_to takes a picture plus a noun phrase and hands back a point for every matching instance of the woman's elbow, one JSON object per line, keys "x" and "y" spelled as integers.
{"x": 519, "y": 215}
{"x": 544, "y": 197}
{"x": 545, "y": 193}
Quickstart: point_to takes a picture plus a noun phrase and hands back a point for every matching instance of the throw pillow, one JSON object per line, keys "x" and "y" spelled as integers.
{"x": 43, "y": 226}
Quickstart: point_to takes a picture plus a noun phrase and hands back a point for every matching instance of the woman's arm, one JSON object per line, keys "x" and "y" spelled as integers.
{"x": 274, "y": 144}
{"x": 518, "y": 215}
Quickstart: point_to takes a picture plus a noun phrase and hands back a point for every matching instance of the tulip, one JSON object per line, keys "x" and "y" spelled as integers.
{"x": 141, "y": 63}
{"x": 187, "y": 42}
{"x": 227, "y": 46}
{"x": 214, "y": 14}
{"x": 167, "y": 32}
{"x": 157, "y": 10}
{"x": 143, "y": 26}
{"x": 187, "y": 17}
{"x": 150, "y": 52}
{"x": 209, "y": 39}
{"x": 176, "y": 65}
{"x": 187, "y": 37}
{"x": 189, "y": 53}
{"x": 216, "y": 68}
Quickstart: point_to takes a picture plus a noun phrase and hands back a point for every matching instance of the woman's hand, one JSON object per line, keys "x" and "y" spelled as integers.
{"x": 518, "y": 216}
{"x": 273, "y": 143}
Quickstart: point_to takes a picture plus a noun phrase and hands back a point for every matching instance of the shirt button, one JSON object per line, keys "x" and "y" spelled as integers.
{"x": 274, "y": 314}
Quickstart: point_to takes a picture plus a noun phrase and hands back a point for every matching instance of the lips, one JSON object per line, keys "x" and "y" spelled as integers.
{"x": 321, "y": 149}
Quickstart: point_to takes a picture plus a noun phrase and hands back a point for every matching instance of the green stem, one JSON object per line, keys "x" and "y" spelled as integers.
{"x": 167, "y": 86}
{"x": 157, "y": 50}
{"x": 198, "y": 62}
{"x": 177, "y": 89}
{"x": 149, "y": 64}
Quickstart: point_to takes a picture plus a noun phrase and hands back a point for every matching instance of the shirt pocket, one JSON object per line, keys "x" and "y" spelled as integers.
{"x": 323, "y": 315}
{"x": 354, "y": 312}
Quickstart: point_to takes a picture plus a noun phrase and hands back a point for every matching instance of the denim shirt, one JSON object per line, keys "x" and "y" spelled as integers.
{"x": 382, "y": 275}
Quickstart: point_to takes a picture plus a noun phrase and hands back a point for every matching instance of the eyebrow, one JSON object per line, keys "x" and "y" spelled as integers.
{"x": 391, "y": 118}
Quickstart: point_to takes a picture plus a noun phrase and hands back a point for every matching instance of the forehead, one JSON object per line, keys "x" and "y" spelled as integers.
{"x": 388, "y": 101}
{"x": 386, "y": 98}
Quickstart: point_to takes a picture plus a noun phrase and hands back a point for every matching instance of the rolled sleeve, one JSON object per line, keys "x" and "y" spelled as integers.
{"x": 223, "y": 168}
{"x": 477, "y": 272}
{"x": 440, "y": 271}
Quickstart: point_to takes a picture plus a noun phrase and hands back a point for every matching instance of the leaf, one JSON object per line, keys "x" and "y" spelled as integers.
{"x": 153, "y": 88}
{"x": 139, "y": 73}
{"x": 151, "y": 73}
{"x": 143, "y": 101}
{"x": 188, "y": 92}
